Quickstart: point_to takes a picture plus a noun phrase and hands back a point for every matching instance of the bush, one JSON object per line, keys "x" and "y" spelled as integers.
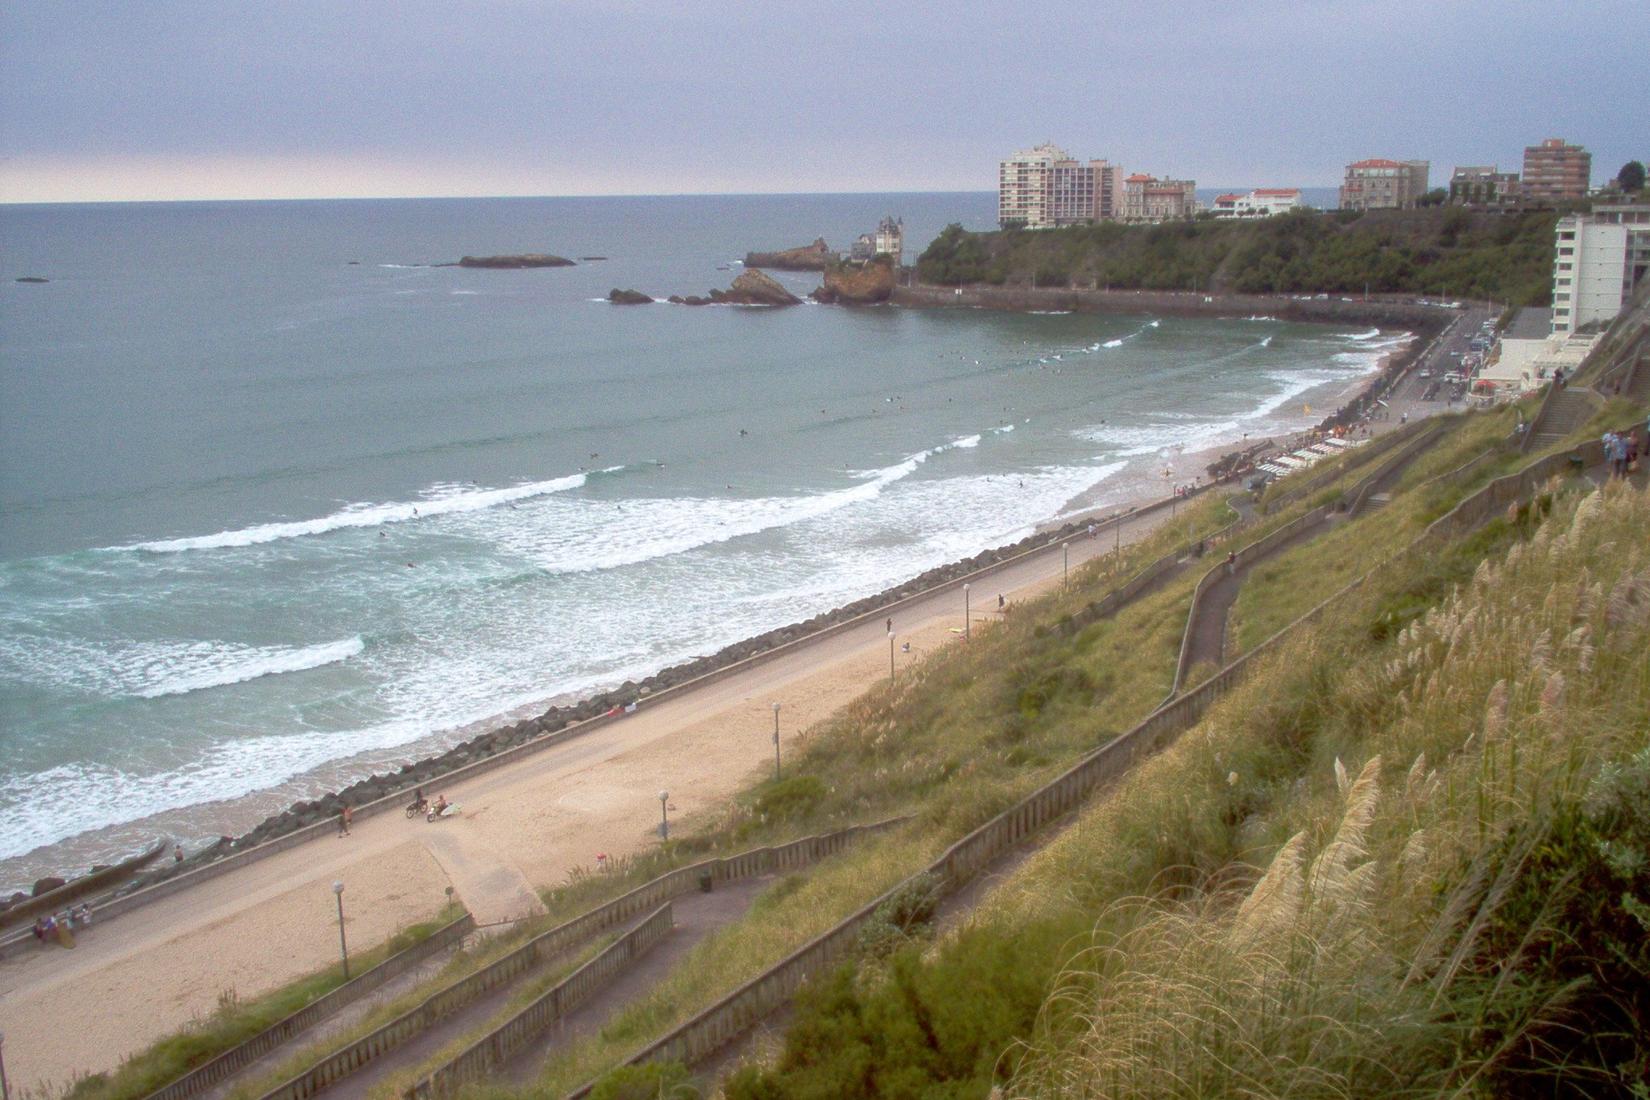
{"x": 650, "y": 1081}
{"x": 790, "y": 798}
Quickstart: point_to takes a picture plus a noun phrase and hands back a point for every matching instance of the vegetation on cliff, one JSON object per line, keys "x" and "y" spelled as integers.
{"x": 1433, "y": 251}
{"x": 1410, "y": 857}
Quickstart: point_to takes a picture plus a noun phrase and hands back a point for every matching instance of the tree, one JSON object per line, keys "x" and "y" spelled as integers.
{"x": 1631, "y": 176}
{"x": 1436, "y": 197}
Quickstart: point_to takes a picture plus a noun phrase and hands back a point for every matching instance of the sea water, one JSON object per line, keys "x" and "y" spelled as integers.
{"x": 282, "y": 503}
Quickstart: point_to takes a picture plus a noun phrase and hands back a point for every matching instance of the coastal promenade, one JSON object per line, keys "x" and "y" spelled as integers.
{"x": 524, "y": 826}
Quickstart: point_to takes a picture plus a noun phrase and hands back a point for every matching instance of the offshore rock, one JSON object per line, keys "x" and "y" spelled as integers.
{"x": 858, "y": 284}
{"x": 629, "y": 297}
{"x": 753, "y": 288}
{"x": 524, "y": 259}
{"x": 809, "y": 257}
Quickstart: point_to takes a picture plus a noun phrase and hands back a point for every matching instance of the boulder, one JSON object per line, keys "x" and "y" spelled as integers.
{"x": 523, "y": 259}
{"x": 628, "y": 297}
{"x": 753, "y": 288}
{"x": 47, "y": 884}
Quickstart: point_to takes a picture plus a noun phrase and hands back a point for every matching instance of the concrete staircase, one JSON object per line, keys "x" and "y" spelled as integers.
{"x": 1376, "y": 501}
{"x": 1571, "y": 408}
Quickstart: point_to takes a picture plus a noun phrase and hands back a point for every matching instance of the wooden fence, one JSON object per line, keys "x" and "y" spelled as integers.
{"x": 649, "y": 896}
{"x": 502, "y": 1043}
{"x": 237, "y": 1058}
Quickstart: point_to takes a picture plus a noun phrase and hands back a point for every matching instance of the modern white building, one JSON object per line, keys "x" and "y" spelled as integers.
{"x": 1600, "y": 258}
{"x": 1529, "y": 352}
{"x": 1263, "y": 202}
{"x": 1046, "y": 186}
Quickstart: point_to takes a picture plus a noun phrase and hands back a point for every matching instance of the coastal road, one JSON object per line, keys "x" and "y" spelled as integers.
{"x": 524, "y": 826}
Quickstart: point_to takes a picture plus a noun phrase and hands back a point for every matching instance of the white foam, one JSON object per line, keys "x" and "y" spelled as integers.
{"x": 367, "y": 515}
{"x": 1370, "y": 335}
{"x": 1260, "y": 317}
{"x": 966, "y": 442}
{"x": 254, "y": 664}
{"x": 1113, "y": 343}
{"x": 153, "y": 669}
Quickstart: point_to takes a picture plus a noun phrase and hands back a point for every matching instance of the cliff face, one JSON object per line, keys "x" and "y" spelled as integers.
{"x": 857, "y": 284}
{"x": 809, "y": 257}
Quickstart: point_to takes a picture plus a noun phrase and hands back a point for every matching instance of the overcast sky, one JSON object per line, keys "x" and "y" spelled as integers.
{"x": 154, "y": 99}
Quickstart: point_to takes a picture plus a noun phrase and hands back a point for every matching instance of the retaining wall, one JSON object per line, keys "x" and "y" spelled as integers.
{"x": 504, "y": 1042}
{"x": 234, "y": 1060}
{"x": 650, "y": 895}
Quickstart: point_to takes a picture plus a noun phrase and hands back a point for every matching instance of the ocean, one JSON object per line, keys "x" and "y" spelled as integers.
{"x": 282, "y": 504}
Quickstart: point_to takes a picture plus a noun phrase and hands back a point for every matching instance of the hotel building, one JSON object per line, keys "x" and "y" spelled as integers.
{"x": 1555, "y": 172}
{"x": 1262, "y": 202}
{"x": 1383, "y": 184}
{"x": 1046, "y": 186}
{"x": 1601, "y": 257}
{"x": 1149, "y": 199}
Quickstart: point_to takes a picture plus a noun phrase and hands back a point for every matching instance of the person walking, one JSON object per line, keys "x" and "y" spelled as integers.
{"x": 345, "y": 816}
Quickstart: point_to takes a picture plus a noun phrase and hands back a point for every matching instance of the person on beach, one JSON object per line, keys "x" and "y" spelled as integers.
{"x": 1001, "y": 603}
{"x": 177, "y": 853}
{"x": 344, "y": 817}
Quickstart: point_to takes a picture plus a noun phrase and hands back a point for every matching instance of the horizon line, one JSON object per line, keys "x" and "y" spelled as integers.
{"x": 461, "y": 197}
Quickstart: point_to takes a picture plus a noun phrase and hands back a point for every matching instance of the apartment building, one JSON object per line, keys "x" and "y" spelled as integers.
{"x": 1263, "y": 202}
{"x": 1046, "y": 186}
{"x": 1384, "y": 184}
{"x": 1601, "y": 257}
{"x": 1555, "y": 172}
{"x": 1483, "y": 185}
{"x": 1148, "y": 199}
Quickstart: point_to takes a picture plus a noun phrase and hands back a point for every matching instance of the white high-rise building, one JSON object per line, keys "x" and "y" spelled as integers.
{"x": 1600, "y": 258}
{"x": 1025, "y": 187}
{"x": 1046, "y": 186}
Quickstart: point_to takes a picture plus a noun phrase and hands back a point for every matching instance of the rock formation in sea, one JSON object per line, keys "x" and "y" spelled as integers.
{"x": 751, "y": 288}
{"x": 857, "y": 284}
{"x": 629, "y": 297}
{"x": 808, "y": 257}
{"x": 524, "y": 259}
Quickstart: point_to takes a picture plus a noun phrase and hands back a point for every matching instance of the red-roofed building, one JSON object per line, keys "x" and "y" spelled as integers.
{"x": 1379, "y": 184}
{"x": 1149, "y": 199}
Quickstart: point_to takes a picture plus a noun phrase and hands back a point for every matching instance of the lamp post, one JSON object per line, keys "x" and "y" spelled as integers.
{"x": 776, "y": 742}
{"x": 343, "y": 947}
{"x": 664, "y": 815}
{"x": 1065, "y": 564}
{"x": 965, "y": 613}
{"x": 5, "y": 1089}
{"x": 890, "y": 656}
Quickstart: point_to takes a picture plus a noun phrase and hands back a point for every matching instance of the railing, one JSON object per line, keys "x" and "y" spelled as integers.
{"x": 237, "y": 1058}
{"x": 502, "y": 1043}
{"x": 650, "y": 895}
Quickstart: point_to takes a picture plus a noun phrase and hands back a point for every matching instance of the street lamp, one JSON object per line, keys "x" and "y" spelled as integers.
{"x": 5, "y": 1090}
{"x": 776, "y": 742}
{"x": 1065, "y": 564}
{"x": 343, "y": 948}
{"x": 890, "y": 656}
{"x": 664, "y": 816}
{"x": 965, "y": 613}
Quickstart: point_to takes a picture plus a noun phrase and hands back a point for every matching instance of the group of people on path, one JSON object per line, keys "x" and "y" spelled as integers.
{"x": 1621, "y": 450}
{"x": 50, "y": 927}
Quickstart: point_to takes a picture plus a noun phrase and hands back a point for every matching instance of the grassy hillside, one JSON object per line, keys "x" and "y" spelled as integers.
{"x": 1434, "y": 251}
{"x": 1410, "y": 857}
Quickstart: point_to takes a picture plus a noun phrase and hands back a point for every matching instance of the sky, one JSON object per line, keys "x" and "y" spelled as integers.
{"x": 179, "y": 99}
